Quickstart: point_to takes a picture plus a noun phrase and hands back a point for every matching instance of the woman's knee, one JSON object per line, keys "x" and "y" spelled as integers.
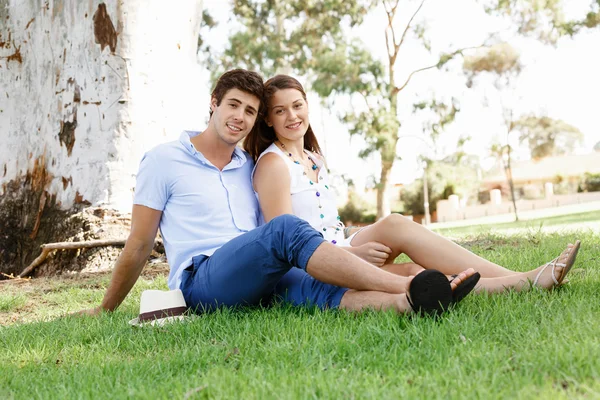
{"x": 414, "y": 269}
{"x": 395, "y": 220}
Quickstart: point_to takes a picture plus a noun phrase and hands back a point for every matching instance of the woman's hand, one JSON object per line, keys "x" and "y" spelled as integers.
{"x": 372, "y": 252}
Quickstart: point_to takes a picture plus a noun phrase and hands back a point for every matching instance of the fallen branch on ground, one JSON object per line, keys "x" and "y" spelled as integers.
{"x": 12, "y": 278}
{"x": 49, "y": 247}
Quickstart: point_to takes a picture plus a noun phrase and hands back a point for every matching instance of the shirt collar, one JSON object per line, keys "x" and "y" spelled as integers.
{"x": 237, "y": 160}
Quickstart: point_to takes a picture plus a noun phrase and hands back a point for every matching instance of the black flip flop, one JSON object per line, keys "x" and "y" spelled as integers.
{"x": 429, "y": 292}
{"x": 465, "y": 287}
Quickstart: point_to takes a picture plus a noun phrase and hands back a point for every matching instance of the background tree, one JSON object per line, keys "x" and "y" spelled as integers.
{"x": 544, "y": 20}
{"x": 445, "y": 178}
{"x": 501, "y": 61}
{"x": 309, "y": 39}
{"x": 502, "y": 153}
{"x": 547, "y": 137}
{"x": 439, "y": 114}
{"x": 208, "y": 23}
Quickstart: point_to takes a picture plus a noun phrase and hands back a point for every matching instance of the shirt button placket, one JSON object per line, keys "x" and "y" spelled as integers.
{"x": 229, "y": 197}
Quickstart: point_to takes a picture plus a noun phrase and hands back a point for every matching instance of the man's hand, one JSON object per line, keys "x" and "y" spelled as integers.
{"x": 90, "y": 311}
{"x": 372, "y": 252}
{"x": 131, "y": 261}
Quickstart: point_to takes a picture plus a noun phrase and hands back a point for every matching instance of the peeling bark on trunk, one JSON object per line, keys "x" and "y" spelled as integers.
{"x": 85, "y": 89}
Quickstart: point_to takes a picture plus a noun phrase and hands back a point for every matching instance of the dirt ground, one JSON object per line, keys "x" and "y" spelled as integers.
{"x": 86, "y": 272}
{"x": 53, "y": 296}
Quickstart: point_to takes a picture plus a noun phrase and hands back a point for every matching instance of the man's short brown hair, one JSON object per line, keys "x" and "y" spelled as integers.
{"x": 241, "y": 79}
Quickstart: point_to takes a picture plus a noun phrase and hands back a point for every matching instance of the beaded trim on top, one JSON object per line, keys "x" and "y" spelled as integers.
{"x": 314, "y": 167}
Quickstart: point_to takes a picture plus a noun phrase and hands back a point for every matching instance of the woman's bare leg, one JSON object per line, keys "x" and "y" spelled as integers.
{"x": 426, "y": 248}
{"x": 541, "y": 277}
{"x": 403, "y": 269}
{"x": 518, "y": 281}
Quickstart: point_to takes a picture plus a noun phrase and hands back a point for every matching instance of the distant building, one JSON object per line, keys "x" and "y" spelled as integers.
{"x": 532, "y": 175}
{"x": 539, "y": 184}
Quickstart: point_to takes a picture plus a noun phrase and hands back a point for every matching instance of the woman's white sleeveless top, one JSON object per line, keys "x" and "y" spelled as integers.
{"x": 314, "y": 202}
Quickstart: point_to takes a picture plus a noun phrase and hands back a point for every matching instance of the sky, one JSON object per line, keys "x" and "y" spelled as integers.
{"x": 561, "y": 81}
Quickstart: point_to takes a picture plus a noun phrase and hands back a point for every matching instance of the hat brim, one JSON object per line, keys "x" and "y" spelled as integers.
{"x": 158, "y": 321}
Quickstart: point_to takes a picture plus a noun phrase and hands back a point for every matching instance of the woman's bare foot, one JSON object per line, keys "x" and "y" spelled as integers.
{"x": 464, "y": 283}
{"x": 553, "y": 273}
{"x": 456, "y": 280}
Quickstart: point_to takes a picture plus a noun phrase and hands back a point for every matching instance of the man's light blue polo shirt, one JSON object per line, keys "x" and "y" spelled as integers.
{"x": 202, "y": 207}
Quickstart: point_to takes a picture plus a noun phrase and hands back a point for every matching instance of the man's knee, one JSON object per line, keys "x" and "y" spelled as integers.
{"x": 286, "y": 221}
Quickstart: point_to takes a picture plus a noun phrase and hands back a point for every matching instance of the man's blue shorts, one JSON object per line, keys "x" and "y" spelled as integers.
{"x": 258, "y": 267}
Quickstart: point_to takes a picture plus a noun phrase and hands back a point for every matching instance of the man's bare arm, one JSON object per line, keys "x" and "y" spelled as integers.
{"x": 129, "y": 265}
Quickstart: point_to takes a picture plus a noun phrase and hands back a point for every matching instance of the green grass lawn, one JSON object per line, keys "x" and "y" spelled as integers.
{"x": 580, "y": 221}
{"x": 538, "y": 344}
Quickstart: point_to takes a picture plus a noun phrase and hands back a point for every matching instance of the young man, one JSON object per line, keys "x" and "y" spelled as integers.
{"x": 198, "y": 190}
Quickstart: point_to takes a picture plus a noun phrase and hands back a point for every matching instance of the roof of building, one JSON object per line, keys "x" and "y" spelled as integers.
{"x": 548, "y": 168}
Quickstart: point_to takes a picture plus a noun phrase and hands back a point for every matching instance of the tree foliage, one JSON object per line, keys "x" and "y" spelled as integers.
{"x": 444, "y": 179}
{"x": 501, "y": 60}
{"x": 284, "y": 35}
{"x": 208, "y": 22}
{"x": 355, "y": 210}
{"x": 310, "y": 38}
{"x": 591, "y": 182}
{"x": 546, "y": 136}
{"x": 440, "y": 114}
{"x": 544, "y": 19}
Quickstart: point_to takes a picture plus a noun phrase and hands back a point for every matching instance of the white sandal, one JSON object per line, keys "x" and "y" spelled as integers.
{"x": 571, "y": 254}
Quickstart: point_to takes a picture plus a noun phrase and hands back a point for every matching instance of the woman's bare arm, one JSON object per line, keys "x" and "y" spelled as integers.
{"x": 272, "y": 183}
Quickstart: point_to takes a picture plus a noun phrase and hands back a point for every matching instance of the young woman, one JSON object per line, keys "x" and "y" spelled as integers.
{"x": 290, "y": 177}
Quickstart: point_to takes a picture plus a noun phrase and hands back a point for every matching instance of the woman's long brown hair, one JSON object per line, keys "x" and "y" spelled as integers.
{"x": 263, "y": 135}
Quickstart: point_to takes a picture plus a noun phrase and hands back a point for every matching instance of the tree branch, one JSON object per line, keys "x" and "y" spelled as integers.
{"x": 396, "y": 46}
{"x": 385, "y": 7}
{"x": 450, "y": 57}
{"x": 391, "y": 20}
{"x": 49, "y": 247}
{"x": 409, "y": 23}
{"x": 387, "y": 42}
{"x": 390, "y": 15}
{"x": 398, "y": 89}
{"x": 367, "y": 102}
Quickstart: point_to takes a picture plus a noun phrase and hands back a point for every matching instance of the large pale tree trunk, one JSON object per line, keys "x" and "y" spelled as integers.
{"x": 86, "y": 88}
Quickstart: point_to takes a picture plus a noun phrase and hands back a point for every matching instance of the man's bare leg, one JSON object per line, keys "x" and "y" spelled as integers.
{"x": 331, "y": 264}
{"x": 354, "y": 300}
